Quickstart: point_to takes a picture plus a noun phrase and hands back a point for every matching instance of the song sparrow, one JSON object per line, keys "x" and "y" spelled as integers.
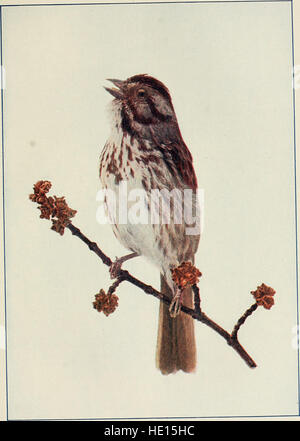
{"x": 146, "y": 150}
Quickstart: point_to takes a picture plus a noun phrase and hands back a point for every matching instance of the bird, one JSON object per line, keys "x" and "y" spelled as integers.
{"x": 145, "y": 150}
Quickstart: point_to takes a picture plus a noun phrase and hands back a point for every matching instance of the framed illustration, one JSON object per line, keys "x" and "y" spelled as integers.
{"x": 187, "y": 112}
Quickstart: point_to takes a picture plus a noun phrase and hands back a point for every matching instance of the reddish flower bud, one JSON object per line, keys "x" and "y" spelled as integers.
{"x": 264, "y": 295}
{"x": 105, "y": 303}
{"x": 185, "y": 275}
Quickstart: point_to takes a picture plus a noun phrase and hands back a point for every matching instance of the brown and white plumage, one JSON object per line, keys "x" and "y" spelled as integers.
{"x": 146, "y": 150}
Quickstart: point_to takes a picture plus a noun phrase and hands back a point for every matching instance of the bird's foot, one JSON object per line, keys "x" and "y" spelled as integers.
{"x": 175, "y": 305}
{"x": 116, "y": 266}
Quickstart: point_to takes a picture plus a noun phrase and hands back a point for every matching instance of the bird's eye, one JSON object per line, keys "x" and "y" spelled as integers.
{"x": 141, "y": 93}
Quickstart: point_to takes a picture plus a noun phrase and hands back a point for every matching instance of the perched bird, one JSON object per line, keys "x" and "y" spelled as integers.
{"x": 146, "y": 150}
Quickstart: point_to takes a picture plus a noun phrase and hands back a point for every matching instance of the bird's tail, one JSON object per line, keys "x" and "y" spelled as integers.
{"x": 176, "y": 346}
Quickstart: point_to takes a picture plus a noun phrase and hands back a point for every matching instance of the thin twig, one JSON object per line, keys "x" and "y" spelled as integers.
{"x": 115, "y": 285}
{"x": 242, "y": 320}
{"x": 92, "y": 245}
{"x": 197, "y": 299}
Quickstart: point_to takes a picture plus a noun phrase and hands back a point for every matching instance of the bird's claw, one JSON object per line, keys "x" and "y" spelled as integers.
{"x": 175, "y": 305}
{"x": 115, "y": 268}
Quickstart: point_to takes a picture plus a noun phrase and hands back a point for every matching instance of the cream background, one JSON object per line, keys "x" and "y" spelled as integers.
{"x": 228, "y": 68}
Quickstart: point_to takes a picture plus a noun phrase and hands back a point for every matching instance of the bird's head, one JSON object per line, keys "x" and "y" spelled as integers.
{"x": 144, "y": 99}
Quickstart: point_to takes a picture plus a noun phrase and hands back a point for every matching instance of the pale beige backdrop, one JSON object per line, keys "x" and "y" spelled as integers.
{"x": 229, "y": 70}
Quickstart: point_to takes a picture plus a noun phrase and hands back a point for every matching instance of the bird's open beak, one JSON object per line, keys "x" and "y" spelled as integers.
{"x": 117, "y": 93}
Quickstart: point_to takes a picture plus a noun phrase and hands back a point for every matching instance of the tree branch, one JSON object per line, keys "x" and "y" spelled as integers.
{"x": 60, "y": 214}
{"x": 196, "y": 313}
